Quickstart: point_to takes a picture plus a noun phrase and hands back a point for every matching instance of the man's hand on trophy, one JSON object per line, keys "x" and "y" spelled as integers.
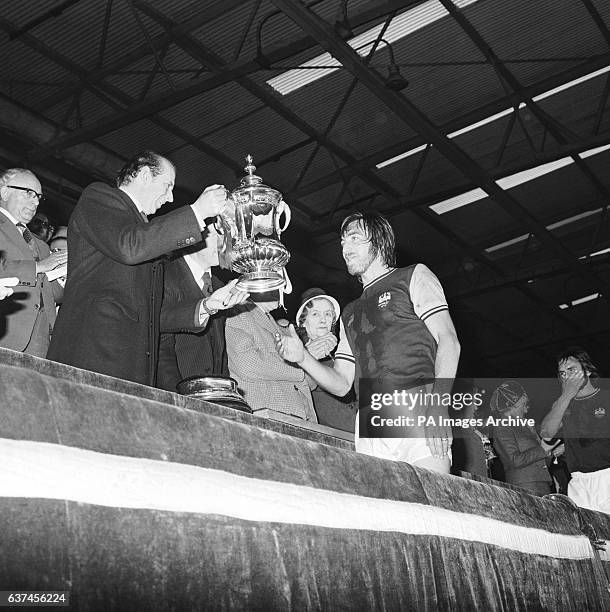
{"x": 289, "y": 346}
{"x": 212, "y": 201}
{"x": 226, "y": 297}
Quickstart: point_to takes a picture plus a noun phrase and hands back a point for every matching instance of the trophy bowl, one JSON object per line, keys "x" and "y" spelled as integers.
{"x": 260, "y": 264}
{"x": 256, "y": 251}
{"x": 218, "y": 389}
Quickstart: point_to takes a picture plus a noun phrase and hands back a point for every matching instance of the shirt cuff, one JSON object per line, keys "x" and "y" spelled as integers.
{"x": 200, "y": 217}
{"x": 201, "y": 318}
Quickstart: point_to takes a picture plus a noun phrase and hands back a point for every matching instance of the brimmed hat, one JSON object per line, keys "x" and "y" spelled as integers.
{"x": 314, "y": 293}
{"x": 506, "y": 396}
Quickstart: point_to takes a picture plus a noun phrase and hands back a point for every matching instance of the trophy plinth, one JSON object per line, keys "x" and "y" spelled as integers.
{"x": 256, "y": 250}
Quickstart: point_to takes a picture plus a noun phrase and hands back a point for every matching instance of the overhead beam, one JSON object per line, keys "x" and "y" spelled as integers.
{"x": 158, "y": 43}
{"x": 559, "y": 132}
{"x": 327, "y": 38}
{"x": 164, "y": 101}
{"x": 454, "y": 125}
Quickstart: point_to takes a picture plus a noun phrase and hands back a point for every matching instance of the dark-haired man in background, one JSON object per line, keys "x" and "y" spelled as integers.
{"x": 41, "y": 226}
{"x": 398, "y": 330}
{"x": 109, "y": 321}
{"x": 582, "y": 416}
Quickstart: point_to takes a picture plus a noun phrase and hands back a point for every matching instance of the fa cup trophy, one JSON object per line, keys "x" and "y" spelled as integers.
{"x": 253, "y": 235}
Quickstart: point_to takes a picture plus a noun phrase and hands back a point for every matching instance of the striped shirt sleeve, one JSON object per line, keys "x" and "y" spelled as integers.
{"x": 426, "y": 293}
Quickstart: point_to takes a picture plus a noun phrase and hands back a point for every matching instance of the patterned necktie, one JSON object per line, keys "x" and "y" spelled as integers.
{"x": 207, "y": 284}
{"x": 27, "y": 236}
{"x": 25, "y": 232}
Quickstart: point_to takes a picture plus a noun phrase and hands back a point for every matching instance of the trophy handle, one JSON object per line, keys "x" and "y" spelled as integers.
{"x": 286, "y": 210}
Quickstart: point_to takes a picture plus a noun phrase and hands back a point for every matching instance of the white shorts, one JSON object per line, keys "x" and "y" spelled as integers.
{"x": 591, "y": 490}
{"x": 410, "y": 450}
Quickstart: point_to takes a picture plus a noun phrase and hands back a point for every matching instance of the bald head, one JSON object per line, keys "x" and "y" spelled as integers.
{"x": 20, "y": 193}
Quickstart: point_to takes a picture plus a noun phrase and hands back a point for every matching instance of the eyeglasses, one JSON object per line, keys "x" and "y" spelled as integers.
{"x": 31, "y": 193}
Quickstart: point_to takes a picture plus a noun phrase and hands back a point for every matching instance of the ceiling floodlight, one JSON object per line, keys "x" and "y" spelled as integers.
{"x": 402, "y": 25}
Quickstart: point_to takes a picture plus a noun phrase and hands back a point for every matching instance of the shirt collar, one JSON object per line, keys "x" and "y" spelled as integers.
{"x": 378, "y": 278}
{"x": 133, "y": 199}
{"x": 197, "y": 270}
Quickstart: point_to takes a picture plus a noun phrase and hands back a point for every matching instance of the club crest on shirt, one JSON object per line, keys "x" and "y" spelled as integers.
{"x": 384, "y": 299}
{"x": 600, "y": 412}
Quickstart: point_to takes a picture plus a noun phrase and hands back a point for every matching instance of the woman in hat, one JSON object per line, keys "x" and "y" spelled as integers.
{"x": 522, "y": 452}
{"x": 316, "y": 320}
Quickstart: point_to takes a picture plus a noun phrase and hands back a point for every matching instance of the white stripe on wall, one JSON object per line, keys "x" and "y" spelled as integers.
{"x": 51, "y": 471}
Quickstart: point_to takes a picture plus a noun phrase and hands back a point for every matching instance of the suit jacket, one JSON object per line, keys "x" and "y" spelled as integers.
{"x": 185, "y": 353}
{"x": 265, "y": 379}
{"x": 109, "y": 321}
{"x": 19, "y": 312}
{"x": 522, "y": 457}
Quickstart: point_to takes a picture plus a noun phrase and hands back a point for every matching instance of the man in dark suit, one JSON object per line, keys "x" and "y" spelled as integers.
{"x": 27, "y": 318}
{"x": 109, "y": 321}
{"x": 182, "y": 354}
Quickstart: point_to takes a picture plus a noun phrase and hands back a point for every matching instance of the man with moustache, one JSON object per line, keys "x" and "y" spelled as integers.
{"x": 399, "y": 329}
{"x": 26, "y": 320}
{"x": 109, "y": 321}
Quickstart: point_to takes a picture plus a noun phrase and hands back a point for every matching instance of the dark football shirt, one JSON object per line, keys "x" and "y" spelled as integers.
{"x": 586, "y": 431}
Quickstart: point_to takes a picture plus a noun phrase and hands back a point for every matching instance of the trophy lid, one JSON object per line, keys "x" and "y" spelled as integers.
{"x": 252, "y": 182}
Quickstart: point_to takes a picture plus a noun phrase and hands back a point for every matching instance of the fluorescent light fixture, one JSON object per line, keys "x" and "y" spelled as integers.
{"x": 402, "y": 25}
{"x": 481, "y": 123}
{"x": 588, "y": 213}
{"x": 497, "y": 247}
{"x": 508, "y": 111}
{"x": 513, "y": 180}
{"x": 392, "y": 160}
{"x": 594, "y": 151}
{"x": 552, "y": 226}
{"x": 582, "y": 300}
{"x": 595, "y": 254}
{"x": 459, "y": 201}
{"x": 578, "y": 81}
{"x": 533, "y": 173}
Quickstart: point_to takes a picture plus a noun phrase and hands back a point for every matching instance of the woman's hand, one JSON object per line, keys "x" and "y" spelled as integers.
{"x": 322, "y": 346}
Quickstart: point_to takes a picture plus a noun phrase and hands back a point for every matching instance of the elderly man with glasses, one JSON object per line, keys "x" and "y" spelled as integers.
{"x": 27, "y": 317}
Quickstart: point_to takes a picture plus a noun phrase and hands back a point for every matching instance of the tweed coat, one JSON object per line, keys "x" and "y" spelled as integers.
{"x": 18, "y": 313}
{"x": 109, "y": 321}
{"x": 186, "y": 353}
{"x": 265, "y": 379}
